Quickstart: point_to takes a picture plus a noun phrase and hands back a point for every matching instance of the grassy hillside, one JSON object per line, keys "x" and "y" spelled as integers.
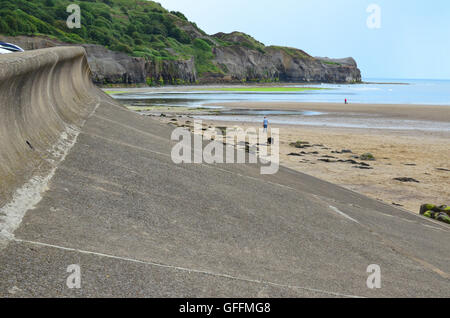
{"x": 139, "y": 28}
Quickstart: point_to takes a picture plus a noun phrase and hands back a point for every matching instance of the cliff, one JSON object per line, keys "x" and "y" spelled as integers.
{"x": 236, "y": 64}
{"x": 241, "y": 63}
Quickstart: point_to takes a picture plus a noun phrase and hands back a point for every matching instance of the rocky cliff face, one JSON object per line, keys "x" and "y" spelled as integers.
{"x": 117, "y": 68}
{"x": 114, "y": 67}
{"x": 297, "y": 66}
{"x": 242, "y": 64}
{"x": 246, "y": 61}
{"x": 284, "y": 64}
{"x": 109, "y": 67}
{"x": 172, "y": 72}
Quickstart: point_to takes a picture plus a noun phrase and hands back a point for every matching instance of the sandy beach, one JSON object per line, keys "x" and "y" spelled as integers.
{"x": 415, "y": 154}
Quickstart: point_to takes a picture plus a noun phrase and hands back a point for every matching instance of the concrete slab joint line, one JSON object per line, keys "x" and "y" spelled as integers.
{"x": 189, "y": 270}
{"x": 343, "y": 214}
{"x": 395, "y": 247}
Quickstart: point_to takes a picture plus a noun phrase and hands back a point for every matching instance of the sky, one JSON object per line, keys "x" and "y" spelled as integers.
{"x": 396, "y": 39}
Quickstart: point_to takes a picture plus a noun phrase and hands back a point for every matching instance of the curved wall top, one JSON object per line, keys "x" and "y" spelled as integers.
{"x": 45, "y": 96}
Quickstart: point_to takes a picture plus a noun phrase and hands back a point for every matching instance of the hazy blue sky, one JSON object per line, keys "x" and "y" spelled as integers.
{"x": 413, "y": 41}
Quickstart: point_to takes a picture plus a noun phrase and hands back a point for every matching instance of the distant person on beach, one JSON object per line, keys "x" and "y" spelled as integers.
{"x": 346, "y": 102}
{"x": 266, "y": 124}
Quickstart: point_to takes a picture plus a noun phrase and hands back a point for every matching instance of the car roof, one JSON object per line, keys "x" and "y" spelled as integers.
{"x": 3, "y": 51}
{"x": 10, "y": 47}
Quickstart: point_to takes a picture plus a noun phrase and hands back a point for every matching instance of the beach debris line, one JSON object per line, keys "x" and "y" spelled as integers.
{"x": 343, "y": 151}
{"x": 301, "y": 144}
{"x": 261, "y": 145}
{"x": 363, "y": 167}
{"x": 439, "y": 213}
{"x": 327, "y": 160}
{"x": 332, "y": 159}
{"x": 407, "y": 180}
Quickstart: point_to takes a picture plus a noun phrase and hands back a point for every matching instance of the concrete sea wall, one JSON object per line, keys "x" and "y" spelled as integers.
{"x": 45, "y": 97}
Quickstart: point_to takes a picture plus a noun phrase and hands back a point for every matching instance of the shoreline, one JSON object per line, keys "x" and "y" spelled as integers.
{"x": 172, "y": 88}
{"x": 437, "y": 113}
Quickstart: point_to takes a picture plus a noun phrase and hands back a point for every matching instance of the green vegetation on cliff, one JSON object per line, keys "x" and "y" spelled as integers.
{"x": 145, "y": 29}
{"x": 240, "y": 39}
{"x": 295, "y": 53}
{"x": 139, "y": 28}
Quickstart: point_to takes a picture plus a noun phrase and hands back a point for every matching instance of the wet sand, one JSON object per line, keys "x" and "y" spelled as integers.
{"x": 412, "y": 154}
{"x": 393, "y": 111}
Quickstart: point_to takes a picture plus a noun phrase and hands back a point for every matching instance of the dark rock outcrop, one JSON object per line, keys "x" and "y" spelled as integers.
{"x": 172, "y": 72}
{"x": 119, "y": 68}
{"x": 114, "y": 67}
{"x": 241, "y": 64}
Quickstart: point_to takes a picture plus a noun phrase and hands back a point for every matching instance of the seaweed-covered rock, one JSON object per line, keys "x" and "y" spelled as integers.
{"x": 440, "y": 213}
{"x": 434, "y": 208}
{"x": 445, "y": 209}
{"x": 427, "y": 208}
{"x": 367, "y": 157}
{"x": 428, "y": 214}
{"x": 443, "y": 217}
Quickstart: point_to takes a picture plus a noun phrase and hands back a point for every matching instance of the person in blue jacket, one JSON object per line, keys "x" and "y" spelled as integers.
{"x": 266, "y": 124}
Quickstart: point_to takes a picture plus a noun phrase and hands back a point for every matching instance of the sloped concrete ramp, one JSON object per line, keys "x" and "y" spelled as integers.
{"x": 113, "y": 202}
